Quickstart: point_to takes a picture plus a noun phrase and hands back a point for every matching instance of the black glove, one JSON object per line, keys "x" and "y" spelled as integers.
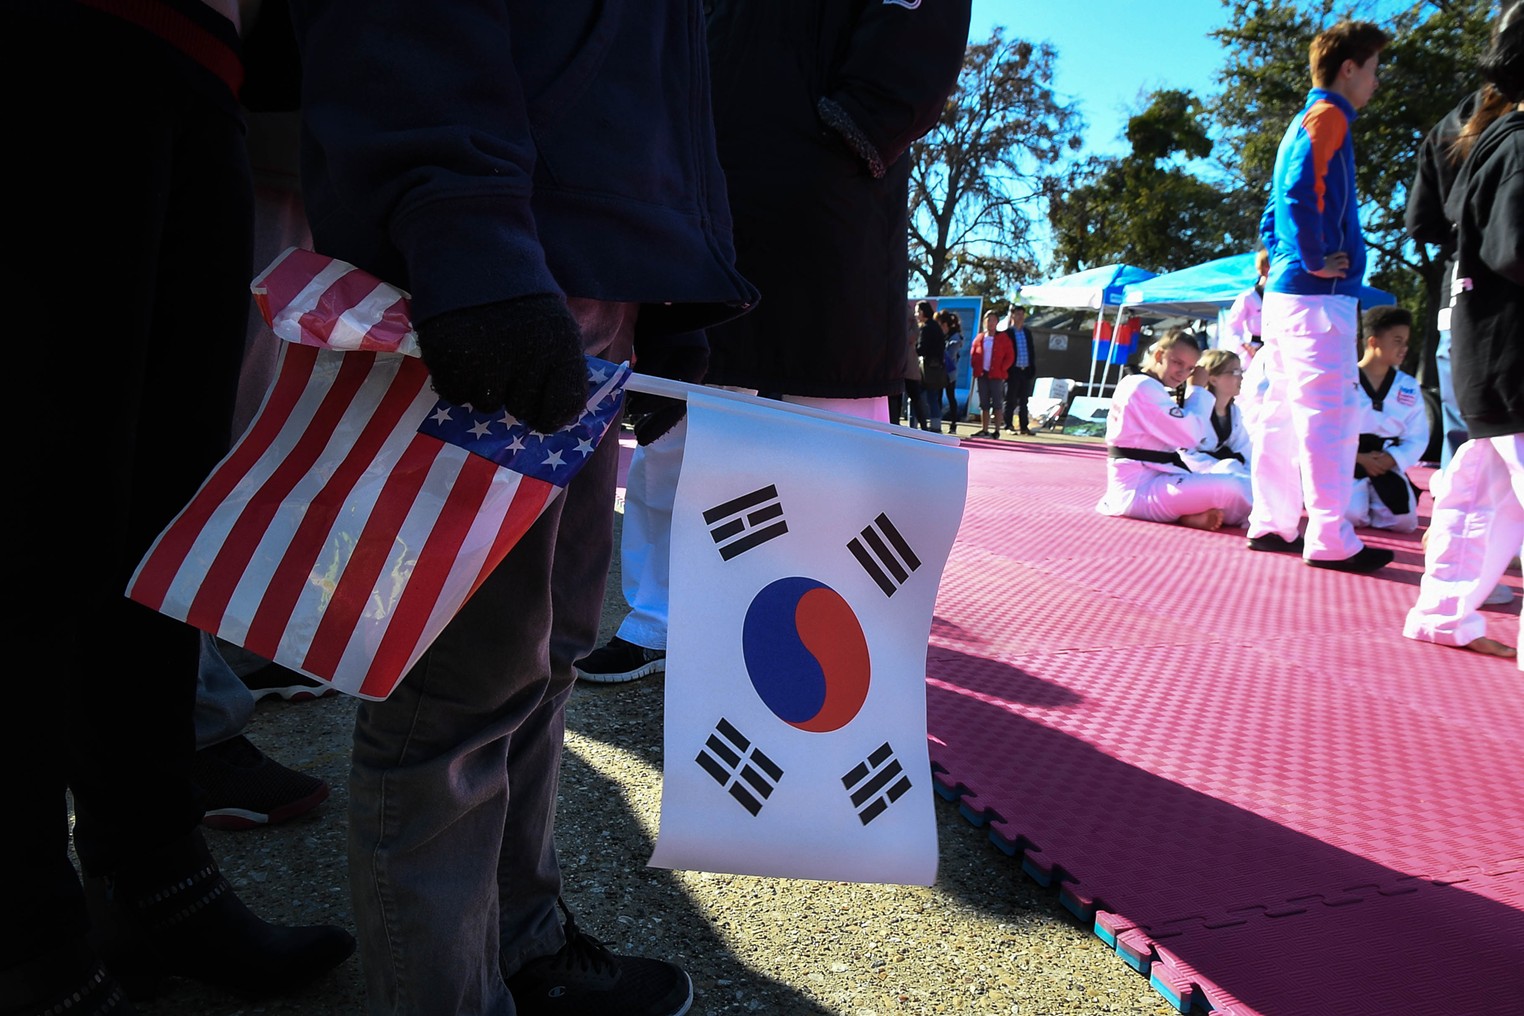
{"x": 683, "y": 357}
{"x": 524, "y": 355}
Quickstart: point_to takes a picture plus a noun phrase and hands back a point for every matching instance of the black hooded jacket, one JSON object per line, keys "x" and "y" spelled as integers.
{"x": 1425, "y": 216}
{"x": 1487, "y": 318}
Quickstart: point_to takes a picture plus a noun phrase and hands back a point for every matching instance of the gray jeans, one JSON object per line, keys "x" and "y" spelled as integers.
{"x": 224, "y": 704}
{"x": 452, "y": 851}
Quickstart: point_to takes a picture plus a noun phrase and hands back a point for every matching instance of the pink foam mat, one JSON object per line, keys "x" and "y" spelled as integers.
{"x": 1235, "y": 766}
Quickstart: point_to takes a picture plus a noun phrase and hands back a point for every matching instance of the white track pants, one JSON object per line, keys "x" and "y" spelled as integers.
{"x": 645, "y": 548}
{"x": 645, "y": 543}
{"x": 1307, "y": 422}
{"x": 1477, "y": 528}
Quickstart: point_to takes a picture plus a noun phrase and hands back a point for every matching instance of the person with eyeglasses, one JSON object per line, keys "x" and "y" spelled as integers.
{"x": 1155, "y": 420}
{"x": 1224, "y": 438}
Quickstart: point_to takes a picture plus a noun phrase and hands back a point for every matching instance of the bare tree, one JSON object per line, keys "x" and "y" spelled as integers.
{"x": 980, "y": 179}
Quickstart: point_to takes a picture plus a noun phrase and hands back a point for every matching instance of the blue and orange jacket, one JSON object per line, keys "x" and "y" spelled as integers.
{"x": 1312, "y": 211}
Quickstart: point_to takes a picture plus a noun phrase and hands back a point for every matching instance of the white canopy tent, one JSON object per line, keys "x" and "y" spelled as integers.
{"x": 1097, "y": 289}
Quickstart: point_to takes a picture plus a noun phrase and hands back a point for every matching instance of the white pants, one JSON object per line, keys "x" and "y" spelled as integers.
{"x": 1477, "y": 529}
{"x": 1307, "y": 424}
{"x": 1367, "y": 509}
{"x": 645, "y": 548}
{"x": 1137, "y": 491}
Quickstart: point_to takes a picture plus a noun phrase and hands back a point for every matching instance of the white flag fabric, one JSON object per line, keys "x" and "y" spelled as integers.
{"x": 807, "y": 548}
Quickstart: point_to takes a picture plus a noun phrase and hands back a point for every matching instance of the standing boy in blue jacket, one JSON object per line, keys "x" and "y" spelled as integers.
{"x": 1304, "y": 447}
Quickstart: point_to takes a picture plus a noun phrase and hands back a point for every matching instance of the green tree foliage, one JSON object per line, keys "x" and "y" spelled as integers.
{"x": 1428, "y": 67}
{"x": 1145, "y": 208}
{"x": 979, "y": 178}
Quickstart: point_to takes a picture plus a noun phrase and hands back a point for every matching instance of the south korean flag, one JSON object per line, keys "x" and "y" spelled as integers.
{"x": 806, "y": 552}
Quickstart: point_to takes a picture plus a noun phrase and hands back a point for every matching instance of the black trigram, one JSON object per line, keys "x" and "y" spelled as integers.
{"x": 884, "y": 554}
{"x": 747, "y": 521}
{"x": 876, "y": 783}
{"x": 739, "y": 766}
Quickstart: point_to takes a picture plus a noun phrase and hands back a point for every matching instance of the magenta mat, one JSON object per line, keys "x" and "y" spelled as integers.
{"x": 1235, "y": 766}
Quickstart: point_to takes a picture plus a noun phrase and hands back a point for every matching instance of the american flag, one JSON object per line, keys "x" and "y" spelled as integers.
{"x": 358, "y": 512}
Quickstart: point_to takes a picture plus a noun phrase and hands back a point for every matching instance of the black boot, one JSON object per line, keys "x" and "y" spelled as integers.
{"x": 71, "y": 980}
{"x": 175, "y": 914}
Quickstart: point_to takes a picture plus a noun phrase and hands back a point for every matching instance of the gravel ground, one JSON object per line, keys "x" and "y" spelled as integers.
{"x": 983, "y": 939}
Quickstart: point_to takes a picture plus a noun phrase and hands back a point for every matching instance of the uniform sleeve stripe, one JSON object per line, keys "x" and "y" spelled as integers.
{"x": 1326, "y": 128}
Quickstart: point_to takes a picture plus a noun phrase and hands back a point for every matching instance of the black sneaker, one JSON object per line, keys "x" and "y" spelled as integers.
{"x": 273, "y": 679}
{"x": 1366, "y": 559}
{"x": 244, "y": 788}
{"x": 585, "y": 979}
{"x": 1275, "y": 543}
{"x": 620, "y": 661}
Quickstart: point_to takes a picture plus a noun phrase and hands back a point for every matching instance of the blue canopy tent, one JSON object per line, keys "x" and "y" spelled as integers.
{"x": 1208, "y": 289}
{"x": 1096, "y": 289}
{"x": 1204, "y": 289}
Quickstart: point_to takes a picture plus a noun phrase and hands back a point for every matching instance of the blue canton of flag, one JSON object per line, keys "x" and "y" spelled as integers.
{"x": 503, "y": 439}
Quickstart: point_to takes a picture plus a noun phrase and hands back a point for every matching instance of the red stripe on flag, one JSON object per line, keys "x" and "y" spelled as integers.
{"x": 243, "y": 538}
{"x": 164, "y": 562}
{"x": 311, "y": 537}
{"x": 284, "y": 280}
{"x": 374, "y": 548}
{"x": 528, "y": 502}
{"x": 385, "y": 332}
{"x": 391, "y": 328}
{"x": 435, "y": 559}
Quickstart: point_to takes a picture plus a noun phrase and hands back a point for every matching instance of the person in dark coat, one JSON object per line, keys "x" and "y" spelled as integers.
{"x": 544, "y": 183}
{"x": 815, "y": 104}
{"x": 929, "y": 347}
{"x": 1018, "y": 386}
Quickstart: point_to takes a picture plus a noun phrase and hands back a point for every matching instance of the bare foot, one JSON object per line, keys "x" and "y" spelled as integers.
{"x": 1491, "y": 647}
{"x": 1210, "y": 520}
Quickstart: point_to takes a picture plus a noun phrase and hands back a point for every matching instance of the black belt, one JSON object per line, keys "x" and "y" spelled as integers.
{"x": 1145, "y": 455}
{"x": 1392, "y": 487}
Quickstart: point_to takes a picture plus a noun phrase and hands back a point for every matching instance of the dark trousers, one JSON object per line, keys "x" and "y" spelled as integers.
{"x": 915, "y": 400}
{"x": 129, "y": 318}
{"x": 1018, "y": 389}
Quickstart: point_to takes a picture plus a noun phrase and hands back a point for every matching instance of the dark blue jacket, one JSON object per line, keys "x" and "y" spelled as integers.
{"x": 472, "y": 151}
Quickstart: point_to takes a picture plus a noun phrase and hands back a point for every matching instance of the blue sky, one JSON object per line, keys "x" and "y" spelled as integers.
{"x": 1111, "y": 52}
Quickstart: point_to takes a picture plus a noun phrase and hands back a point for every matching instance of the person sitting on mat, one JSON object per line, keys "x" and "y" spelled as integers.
{"x": 1394, "y": 426}
{"x": 1225, "y": 444}
{"x": 1149, "y": 424}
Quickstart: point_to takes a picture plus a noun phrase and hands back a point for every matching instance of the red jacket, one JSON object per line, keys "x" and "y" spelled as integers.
{"x": 1000, "y": 360}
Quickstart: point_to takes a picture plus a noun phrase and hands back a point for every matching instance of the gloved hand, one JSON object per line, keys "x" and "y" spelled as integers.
{"x": 524, "y": 355}
{"x": 683, "y": 357}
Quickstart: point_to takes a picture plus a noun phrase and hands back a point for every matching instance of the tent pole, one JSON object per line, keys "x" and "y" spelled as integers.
{"x": 1094, "y": 349}
{"x": 1116, "y": 333}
